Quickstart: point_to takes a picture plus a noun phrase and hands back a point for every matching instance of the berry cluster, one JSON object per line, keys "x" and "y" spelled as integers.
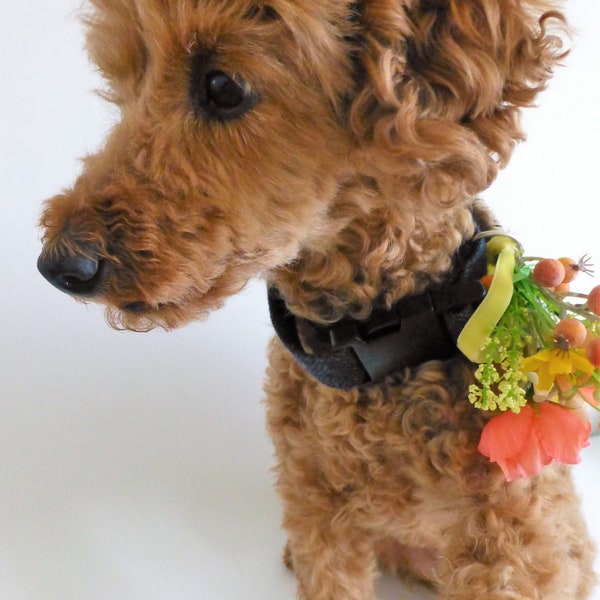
{"x": 571, "y": 332}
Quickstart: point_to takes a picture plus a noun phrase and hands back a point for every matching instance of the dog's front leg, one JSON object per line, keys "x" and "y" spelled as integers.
{"x": 330, "y": 559}
{"x": 333, "y": 558}
{"x": 526, "y": 540}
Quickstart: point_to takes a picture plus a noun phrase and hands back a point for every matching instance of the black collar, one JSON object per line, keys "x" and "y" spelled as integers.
{"x": 417, "y": 328}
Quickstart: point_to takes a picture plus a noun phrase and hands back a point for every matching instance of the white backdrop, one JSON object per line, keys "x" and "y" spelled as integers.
{"x": 137, "y": 466}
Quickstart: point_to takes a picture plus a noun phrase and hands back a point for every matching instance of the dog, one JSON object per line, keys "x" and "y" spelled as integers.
{"x": 336, "y": 148}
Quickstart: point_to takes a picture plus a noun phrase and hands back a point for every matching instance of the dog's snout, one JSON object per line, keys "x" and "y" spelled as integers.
{"x": 76, "y": 272}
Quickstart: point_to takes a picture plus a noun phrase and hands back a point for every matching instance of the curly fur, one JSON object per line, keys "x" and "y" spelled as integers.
{"x": 348, "y": 185}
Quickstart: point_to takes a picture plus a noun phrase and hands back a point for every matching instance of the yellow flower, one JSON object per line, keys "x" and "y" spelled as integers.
{"x": 549, "y": 363}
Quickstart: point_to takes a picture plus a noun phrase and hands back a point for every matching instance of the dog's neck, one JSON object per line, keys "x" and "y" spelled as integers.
{"x": 375, "y": 251}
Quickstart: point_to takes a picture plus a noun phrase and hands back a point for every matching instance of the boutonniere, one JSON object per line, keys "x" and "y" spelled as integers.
{"x": 537, "y": 346}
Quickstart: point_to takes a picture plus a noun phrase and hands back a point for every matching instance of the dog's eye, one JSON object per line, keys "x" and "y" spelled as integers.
{"x": 222, "y": 92}
{"x": 216, "y": 95}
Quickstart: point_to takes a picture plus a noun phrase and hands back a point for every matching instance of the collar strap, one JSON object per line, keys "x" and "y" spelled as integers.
{"x": 417, "y": 328}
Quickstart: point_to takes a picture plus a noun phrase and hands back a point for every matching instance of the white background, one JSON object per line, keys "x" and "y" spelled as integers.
{"x": 137, "y": 466}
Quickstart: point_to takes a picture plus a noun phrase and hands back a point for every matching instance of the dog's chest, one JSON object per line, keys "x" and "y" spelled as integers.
{"x": 393, "y": 442}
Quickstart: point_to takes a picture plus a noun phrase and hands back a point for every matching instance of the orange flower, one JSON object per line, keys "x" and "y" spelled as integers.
{"x": 588, "y": 395}
{"x": 585, "y": 394}
{"x": 522, "y": 444}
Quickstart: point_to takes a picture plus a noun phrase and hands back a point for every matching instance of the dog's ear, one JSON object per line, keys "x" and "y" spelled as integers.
{"x": 115, "y": 44}
{"x": 443, "y": 82}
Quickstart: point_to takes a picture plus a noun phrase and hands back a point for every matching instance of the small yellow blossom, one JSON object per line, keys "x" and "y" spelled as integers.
{"x": 549, "y": 363}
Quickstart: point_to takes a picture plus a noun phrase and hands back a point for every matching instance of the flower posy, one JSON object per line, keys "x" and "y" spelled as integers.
{"x": 538, "y": 360}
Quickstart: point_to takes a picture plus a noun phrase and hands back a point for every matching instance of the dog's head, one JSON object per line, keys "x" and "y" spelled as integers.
{"x": 243, "y": 122}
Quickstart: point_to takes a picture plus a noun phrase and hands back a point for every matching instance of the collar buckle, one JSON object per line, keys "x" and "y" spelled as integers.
{"x": 412, "y": 331}
{"x": 433, "y": 303}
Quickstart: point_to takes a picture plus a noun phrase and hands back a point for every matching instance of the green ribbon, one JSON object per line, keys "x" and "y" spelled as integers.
{"x": 475, "y": 334}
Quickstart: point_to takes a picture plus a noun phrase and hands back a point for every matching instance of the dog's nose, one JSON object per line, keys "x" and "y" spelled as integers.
{"x": 74, "y": 272}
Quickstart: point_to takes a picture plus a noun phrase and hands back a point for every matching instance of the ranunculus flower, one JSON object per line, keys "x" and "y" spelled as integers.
{"x": 582, "y": 394}
{"x": 588, "y": 394}
{"x": 523, "y": 443}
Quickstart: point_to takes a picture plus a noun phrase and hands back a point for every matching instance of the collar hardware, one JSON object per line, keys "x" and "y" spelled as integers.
{"x": 416, "y": 329}
{"x": 429, "y": 306}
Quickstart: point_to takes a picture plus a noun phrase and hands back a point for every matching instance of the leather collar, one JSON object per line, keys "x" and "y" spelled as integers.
{"x": 416, "y": 329}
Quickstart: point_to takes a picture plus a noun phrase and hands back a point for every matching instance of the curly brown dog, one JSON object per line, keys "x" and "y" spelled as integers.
{"x": 335, "y": 147}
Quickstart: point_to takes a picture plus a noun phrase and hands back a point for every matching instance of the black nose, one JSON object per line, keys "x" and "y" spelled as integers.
{"x": 74, "y": 272}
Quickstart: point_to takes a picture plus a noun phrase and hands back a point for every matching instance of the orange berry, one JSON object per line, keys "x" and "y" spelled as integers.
{"x": 571, "y": 268}
{"x": 592, "y": 352}
{"x": 593, "y": 300}
{"x": 487, "y": 280}
{"x": 570, "y": 333}
{"x": 562, "y": 287}
{"x": 549, "y": 272}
